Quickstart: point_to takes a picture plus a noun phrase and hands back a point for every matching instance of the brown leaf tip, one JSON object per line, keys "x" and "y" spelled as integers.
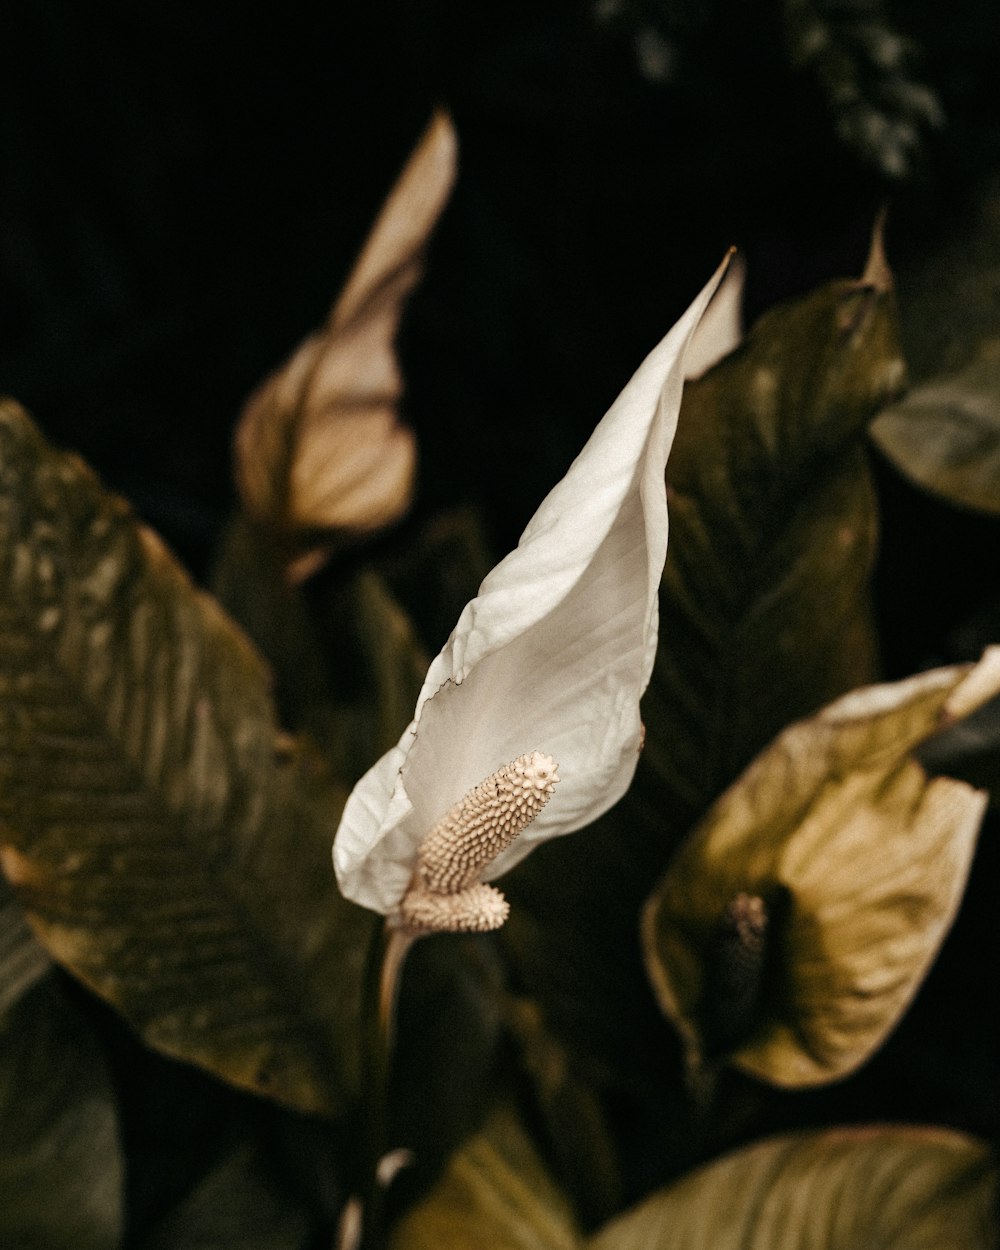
{"x": 877, "y": 273}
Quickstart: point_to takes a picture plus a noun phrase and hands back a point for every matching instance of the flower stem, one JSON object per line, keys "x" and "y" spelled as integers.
{"x": 389, "y": 949}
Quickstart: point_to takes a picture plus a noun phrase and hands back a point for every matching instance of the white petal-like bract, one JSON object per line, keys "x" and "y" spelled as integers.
{"x": 552, "y": 655}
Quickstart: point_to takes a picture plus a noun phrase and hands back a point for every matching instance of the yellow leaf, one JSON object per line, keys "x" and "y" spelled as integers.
{"x": 859, "y": 862}
{"x": 494, "y": 1193}
{"x": 876, "y": 1188}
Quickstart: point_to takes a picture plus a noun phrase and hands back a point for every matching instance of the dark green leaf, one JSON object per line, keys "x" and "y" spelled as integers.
{"x": 765, "y": 604}
{"x": 577, "y": 1135}
{"x": 347, "y": 666}
{"x": 61, "y": 1172}
{"x": 240, "y": 1205}
{"x": 445, "y": 1063}
{"x": 171, "y": 846}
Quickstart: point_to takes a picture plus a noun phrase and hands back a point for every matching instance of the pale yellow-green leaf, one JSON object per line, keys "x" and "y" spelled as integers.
{"x": 170, "y": 845}
{"x": 319, "y": 446}
{"x": 945, "y": 435}
{"x": 879, "y": 1188}
{"x": 862, "y": 861}
{"x": 61, "y": 1171}
{"x": 496, "y": 1193}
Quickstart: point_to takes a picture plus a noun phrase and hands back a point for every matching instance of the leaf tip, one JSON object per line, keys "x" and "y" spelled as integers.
{"x": 981, "y": 684}
{"x": 876, "y": 273}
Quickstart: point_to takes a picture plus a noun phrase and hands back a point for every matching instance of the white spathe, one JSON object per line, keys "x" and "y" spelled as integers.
{"x": 552, "y": 655}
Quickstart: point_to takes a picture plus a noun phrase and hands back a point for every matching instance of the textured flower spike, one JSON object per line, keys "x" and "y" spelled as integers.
{"x": 555, "y": 650}
{"x": 446, "y": 892}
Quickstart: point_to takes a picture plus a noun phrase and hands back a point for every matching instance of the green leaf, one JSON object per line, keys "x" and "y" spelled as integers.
{"x": 765, "y": 603}
{"x": 240, "y": 1205}
{"x": 945, "y": 435}
{"x": 795, "y": 925}
{"x": 447, "y": 1053}
{"x": 765, "y": 615}
{"x": 171, "y": 846}
{"x": 576, "y": 1131}
{"x": 347, "y": 666}
{"x": 842, "y": 1189}
{"x": 61, "y": 1173}
{"x": 437, "y": 569}
{"x": 495, "y": 1192}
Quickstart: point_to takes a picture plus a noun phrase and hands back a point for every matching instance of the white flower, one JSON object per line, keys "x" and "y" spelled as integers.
{"x": 551, "y": 657}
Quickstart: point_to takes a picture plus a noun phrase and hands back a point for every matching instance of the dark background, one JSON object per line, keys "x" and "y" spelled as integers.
{"x": 183, "y": 188}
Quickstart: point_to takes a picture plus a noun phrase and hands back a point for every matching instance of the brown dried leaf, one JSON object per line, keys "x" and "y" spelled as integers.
{"x": 861, "y": 862}
{"x": 319, "y": 446}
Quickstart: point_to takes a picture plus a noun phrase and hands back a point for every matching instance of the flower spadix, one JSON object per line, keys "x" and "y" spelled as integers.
{"x": 540, "y": 681}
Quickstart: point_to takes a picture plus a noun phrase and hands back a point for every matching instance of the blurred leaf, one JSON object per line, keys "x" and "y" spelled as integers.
{"x": 171, "y": 847}
{"x": 765, "y": 616}
{"x": 495, "y": 1192}
{"x": 347, "y": 666}
{"x": 577, "y": 1136}
{"x": 318, "y": 446}
{"x": 765, "y": 604}
{"x": 860, "y": 863}
{"x": 447, "y": 1053}
{"x": 239, "y": 1206}
{"x": 945, "y": 434}
{"x": 949, "y": 290}
{"x": 438, "y": 570}
{"x": 842, "y": 1189}
{"x": 23, "y": 960}
{"x": 61, "y": 1173}
{"x": 862, "y": 68}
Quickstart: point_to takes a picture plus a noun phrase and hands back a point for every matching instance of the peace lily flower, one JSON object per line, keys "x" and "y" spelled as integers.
{"x": 531, "y": 710}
